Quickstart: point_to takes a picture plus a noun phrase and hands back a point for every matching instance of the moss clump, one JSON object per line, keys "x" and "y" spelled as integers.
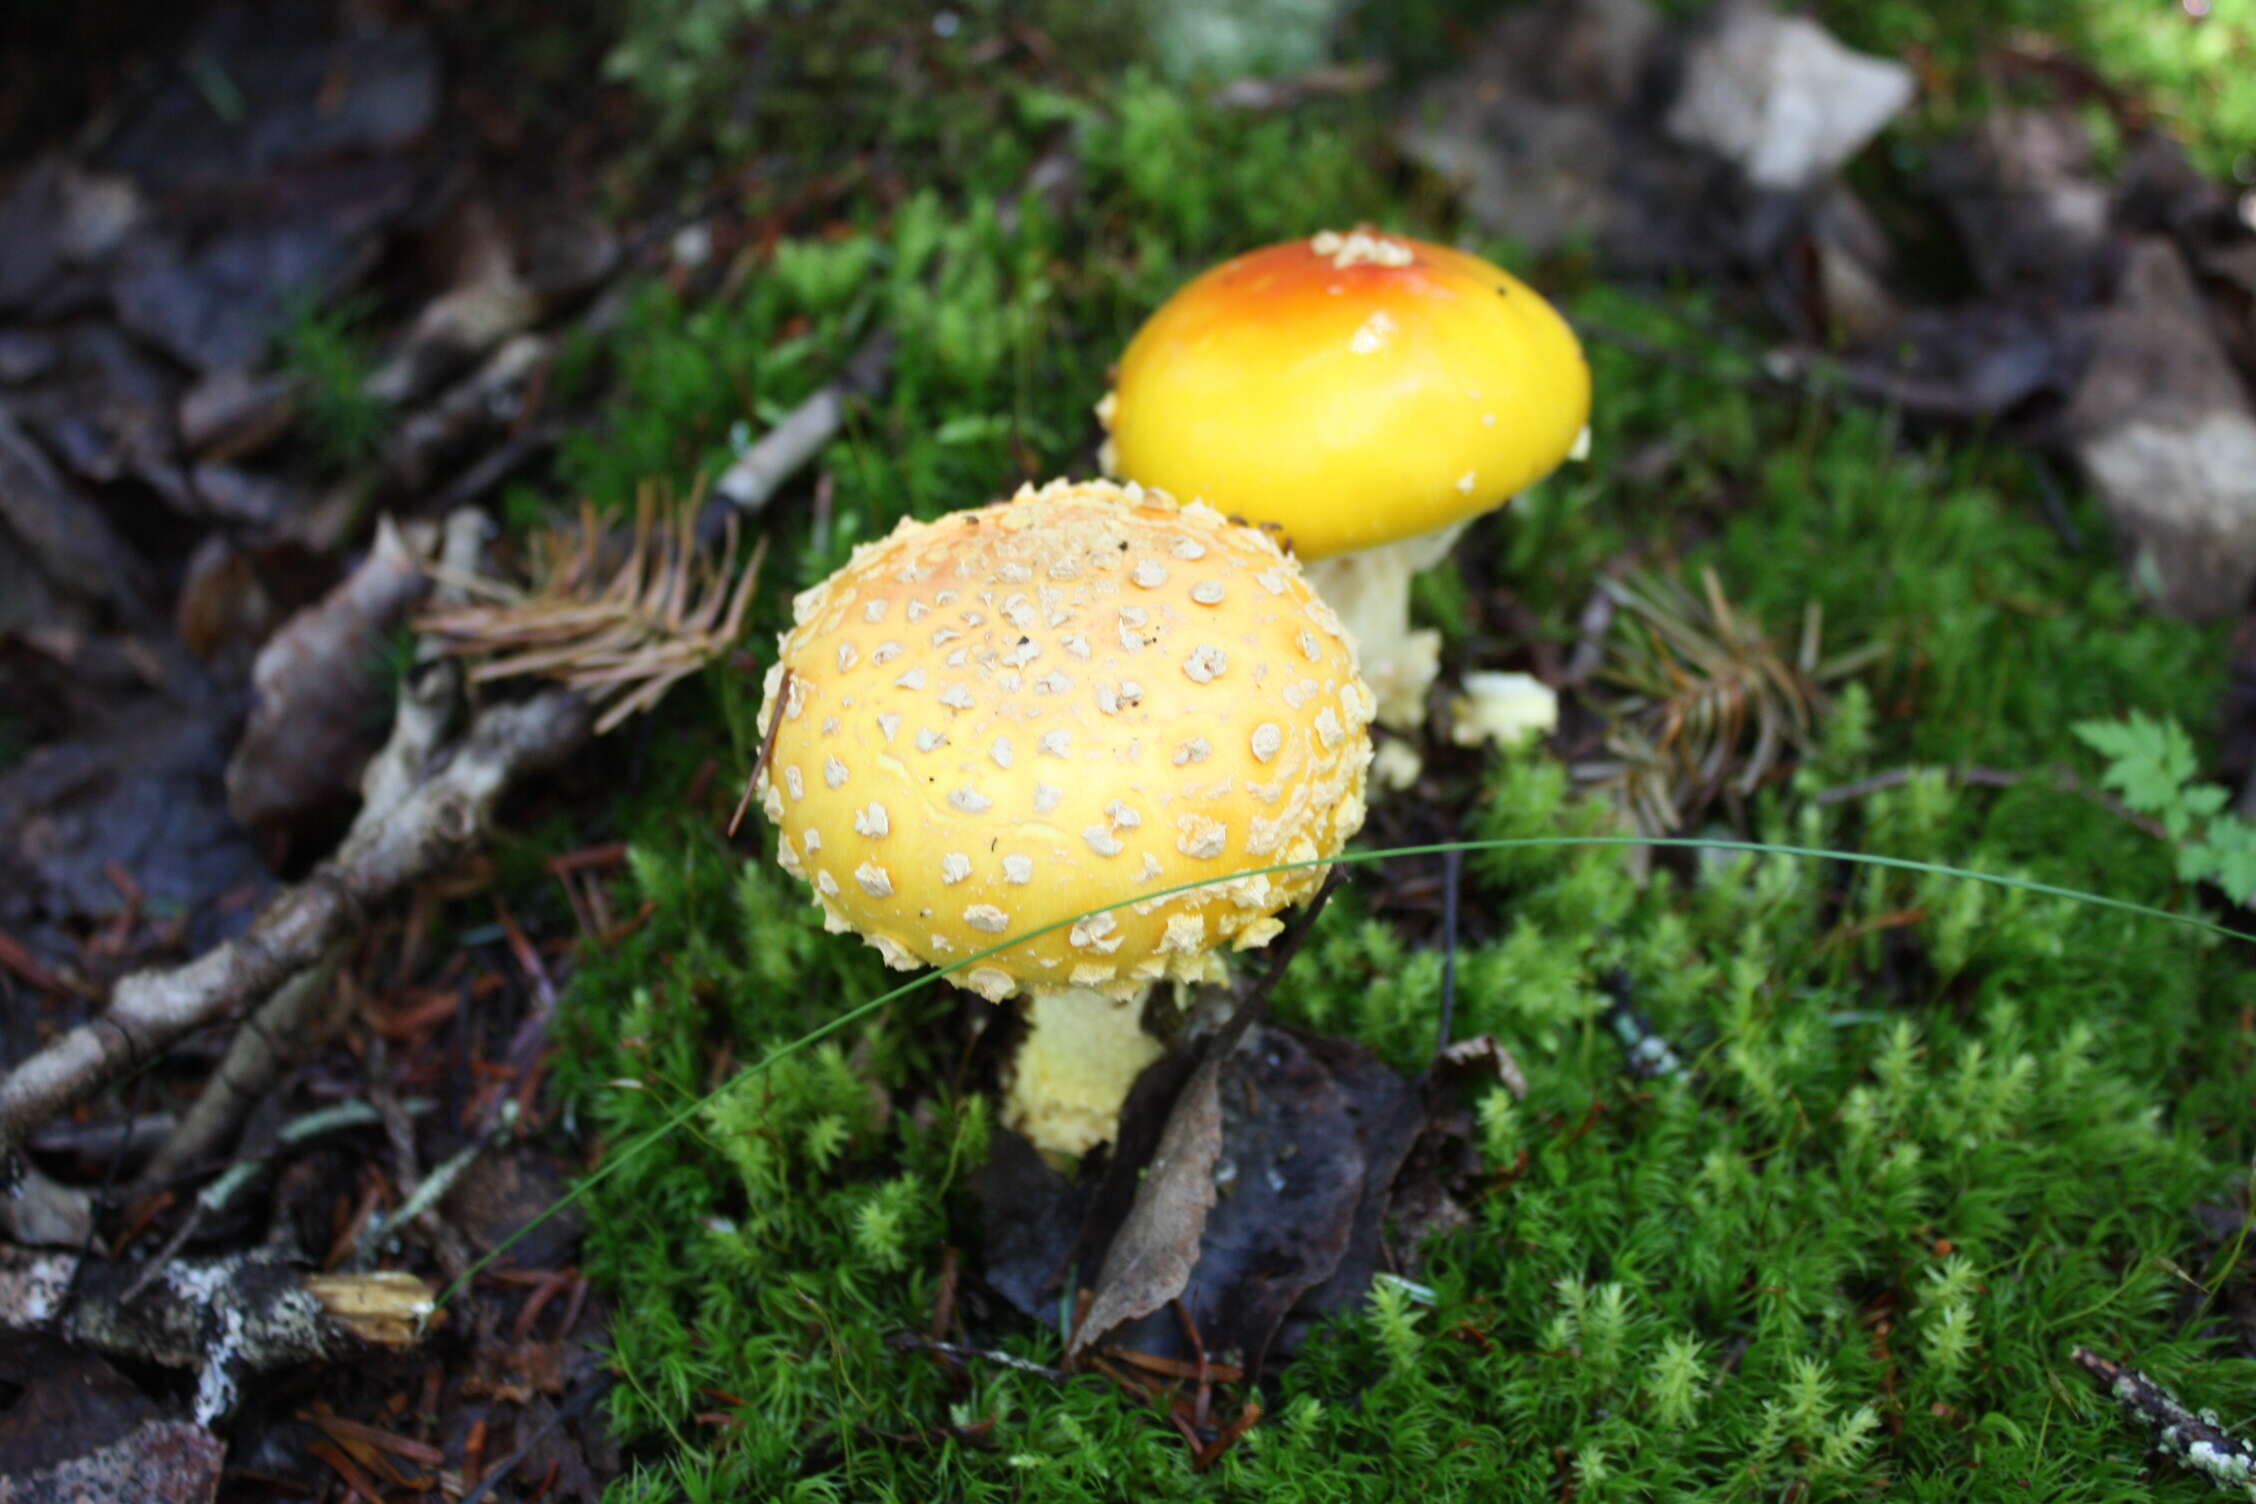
{"x": 1933, "y": 1133}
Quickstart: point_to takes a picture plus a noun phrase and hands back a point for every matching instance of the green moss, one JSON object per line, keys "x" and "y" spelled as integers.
{"x": 325, "y": 352}
{"x": 2186, "y": 63}
{"x": 1934, "y": 1134}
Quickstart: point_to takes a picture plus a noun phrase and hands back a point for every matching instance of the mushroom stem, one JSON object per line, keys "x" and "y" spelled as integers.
{"x": 1084, "y": 1050}
{"x": 1370, "y": 589}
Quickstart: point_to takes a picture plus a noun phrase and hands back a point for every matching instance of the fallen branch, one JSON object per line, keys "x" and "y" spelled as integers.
{"x": 781, "y": 452}
{"x": 2198, "y": 1441}
{"x": 278, "y": 1033}
{"x": 1266, "y": 96}
{"x": 433, "y": 825}
{"x": 223, "y": 1319}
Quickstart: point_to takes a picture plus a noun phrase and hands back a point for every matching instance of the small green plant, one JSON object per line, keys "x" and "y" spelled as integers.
{"x": 677, "y": 55}
{"x": 2151, "y": 763}
{"x": 391, "y": 658}
{"x": 324, "y": 352}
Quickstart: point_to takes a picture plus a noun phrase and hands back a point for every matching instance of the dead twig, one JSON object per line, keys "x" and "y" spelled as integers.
{"x": 215, "y": 1197}
{"x": 1266, "y": 96}
{"x": 1845, "y": 793}
{"x": 277, "y": 1033}
{"x": 434, "y": 824}
{"x": 956, "y": 1350}
{"x": 788, "y": 447}
{"x": 1452, "y": 875}
{"x": 17, "y": 957}
{"x": 1591, "y": 627}
{"x": 754, "y": 477}
{"x": 2199, "y": 1441}
{"x": 767, "y": 751}
{"x": 571, "y": 1409}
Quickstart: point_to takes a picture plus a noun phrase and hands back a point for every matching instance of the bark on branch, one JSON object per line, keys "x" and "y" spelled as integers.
{"x": 432, "y": 825}
{"x": 223, "y": 1319}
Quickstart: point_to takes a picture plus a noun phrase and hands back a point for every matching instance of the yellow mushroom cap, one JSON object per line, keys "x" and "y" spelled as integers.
{"x": 1353, "y": 389}
{"x": 1009, "y": 716}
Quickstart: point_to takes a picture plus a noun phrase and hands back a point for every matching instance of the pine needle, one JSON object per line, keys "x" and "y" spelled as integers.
{"x": 621, "y": 632}
{"x": 1712, "y": 706}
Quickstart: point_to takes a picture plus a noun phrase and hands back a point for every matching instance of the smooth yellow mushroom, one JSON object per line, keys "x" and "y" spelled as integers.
{"x": 1367, "y": 393}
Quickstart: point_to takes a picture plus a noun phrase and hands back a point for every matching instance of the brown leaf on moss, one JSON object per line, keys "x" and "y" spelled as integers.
{"x": 1151, "y": 1259}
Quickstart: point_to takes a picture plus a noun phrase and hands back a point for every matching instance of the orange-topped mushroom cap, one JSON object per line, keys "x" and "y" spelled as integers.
{"x": 1353, "y": 389}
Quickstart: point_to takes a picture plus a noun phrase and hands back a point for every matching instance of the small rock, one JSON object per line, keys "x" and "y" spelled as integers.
{"x": 2031, "y": 211}
{"x": 1507, "y": 709}
{"x": 1783, "y": 101}
{"x": 2165, "y": 432}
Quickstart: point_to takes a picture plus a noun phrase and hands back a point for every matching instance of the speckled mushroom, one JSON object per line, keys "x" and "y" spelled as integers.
{"x": 1000, "y": 720}
{"x": 1369, "y": 394}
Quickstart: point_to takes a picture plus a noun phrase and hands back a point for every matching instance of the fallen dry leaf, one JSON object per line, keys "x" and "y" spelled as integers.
{"x": 317, "y": 682}
{"x": 1313, "y": 1131}
{"x": 78, "y": 1432}
{"x": 1151, "y": 1257}
{"x": 62, "y": 530}
{"x": 139, "y": 794}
